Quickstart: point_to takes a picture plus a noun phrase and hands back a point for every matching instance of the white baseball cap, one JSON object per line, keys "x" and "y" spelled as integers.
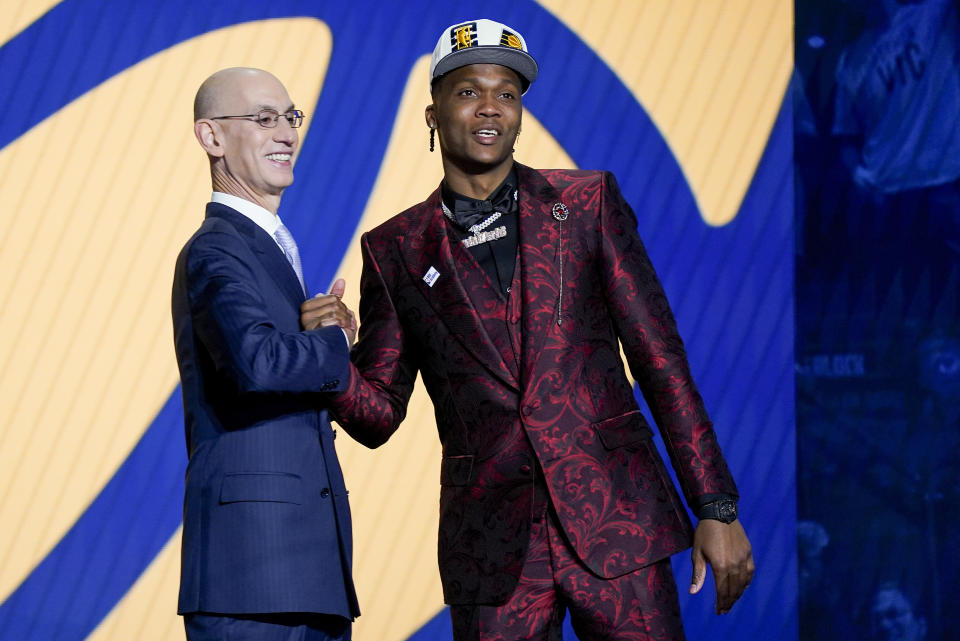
{"x": 482, "y": 41}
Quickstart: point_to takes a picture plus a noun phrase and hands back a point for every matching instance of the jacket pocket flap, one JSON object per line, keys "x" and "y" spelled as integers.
{"x": 456, "y": 470}
{"x": 275, "y": 487}
{"x": 622, "y": 430}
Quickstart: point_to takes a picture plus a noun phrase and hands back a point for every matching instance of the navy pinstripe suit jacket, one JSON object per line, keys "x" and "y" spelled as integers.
{"x": 266, "y": 522}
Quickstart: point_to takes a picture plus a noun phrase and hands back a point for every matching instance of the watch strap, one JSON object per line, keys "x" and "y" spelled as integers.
{"x": 723, "y": 510}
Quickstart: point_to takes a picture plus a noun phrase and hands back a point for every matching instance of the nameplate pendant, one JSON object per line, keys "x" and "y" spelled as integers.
{"x": 484, "y": 236}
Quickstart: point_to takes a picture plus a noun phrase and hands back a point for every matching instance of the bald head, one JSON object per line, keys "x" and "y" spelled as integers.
{"x": 249, "y": 158}
{"x": 224, "y": 88}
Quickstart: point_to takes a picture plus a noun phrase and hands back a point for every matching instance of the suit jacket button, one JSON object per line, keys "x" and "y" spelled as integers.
{"x": 324, "y": 493}
{"x": 525, "y": 469}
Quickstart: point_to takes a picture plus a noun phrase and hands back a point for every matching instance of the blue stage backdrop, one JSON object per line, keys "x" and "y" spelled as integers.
{"x": 101, "y": 183}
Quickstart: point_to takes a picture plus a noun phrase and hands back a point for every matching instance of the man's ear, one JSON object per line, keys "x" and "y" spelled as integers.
{"x": 208, "y": 135}
{"x": 430, "y": 115}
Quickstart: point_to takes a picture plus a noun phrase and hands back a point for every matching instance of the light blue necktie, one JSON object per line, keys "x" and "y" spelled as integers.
{"x": 289, "y": 247}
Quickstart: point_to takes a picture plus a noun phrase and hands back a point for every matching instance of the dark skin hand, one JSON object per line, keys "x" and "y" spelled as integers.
{"x": 326, "y": 310}
{"x": 727, "y": 549}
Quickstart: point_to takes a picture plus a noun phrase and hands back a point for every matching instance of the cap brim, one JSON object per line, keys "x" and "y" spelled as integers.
{"x": 520, "y": 61}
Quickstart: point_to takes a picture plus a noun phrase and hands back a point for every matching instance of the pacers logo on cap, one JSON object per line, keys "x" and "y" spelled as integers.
{"x": 463, "y": 36}
{"x": 508, "y": 39}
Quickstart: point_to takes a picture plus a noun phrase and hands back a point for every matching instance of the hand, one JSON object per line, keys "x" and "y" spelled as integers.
{"x": 727, "y": 549}
{"x": 327, "y": 310}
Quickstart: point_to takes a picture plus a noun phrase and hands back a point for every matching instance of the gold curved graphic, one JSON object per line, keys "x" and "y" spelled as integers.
{"x": 712, "y": 76}
{"x": 98, "y": 200}
{"x": 17, "y": 16}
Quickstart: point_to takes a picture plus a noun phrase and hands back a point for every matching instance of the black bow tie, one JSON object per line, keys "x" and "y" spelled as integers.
{"x": 468, "y": 213}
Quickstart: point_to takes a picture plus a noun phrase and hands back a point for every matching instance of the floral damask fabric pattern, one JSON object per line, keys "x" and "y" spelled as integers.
{"x": 639, "y": 606}
{"x": 532, "y": 400}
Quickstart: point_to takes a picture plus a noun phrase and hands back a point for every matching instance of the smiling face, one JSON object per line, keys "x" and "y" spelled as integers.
{"x": 249, "y": 161}
{"x": 477, "y": 112}
{"x": 893, "y": 618}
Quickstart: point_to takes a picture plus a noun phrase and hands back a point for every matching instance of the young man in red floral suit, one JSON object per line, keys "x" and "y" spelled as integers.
{"x": 510, "y": 290}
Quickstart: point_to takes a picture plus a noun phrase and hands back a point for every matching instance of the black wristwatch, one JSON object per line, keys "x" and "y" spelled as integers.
{"x": 723, "y": 510}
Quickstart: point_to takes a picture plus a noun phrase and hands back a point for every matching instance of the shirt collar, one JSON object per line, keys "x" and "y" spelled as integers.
{"x": 450, "y": 197}
{"x": 265, "y": 219}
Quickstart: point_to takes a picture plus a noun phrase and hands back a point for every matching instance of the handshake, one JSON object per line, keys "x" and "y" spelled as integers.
{"x": 327, "y": 310}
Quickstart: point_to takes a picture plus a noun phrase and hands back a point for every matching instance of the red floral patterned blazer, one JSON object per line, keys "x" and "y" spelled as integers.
{"x": 530, "y": 393}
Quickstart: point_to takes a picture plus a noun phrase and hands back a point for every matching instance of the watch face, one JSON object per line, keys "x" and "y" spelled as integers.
{"x": 727, "y": 511}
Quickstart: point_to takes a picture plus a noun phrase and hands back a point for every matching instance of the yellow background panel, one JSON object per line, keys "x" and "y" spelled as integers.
{"x": 149, "y": 610}
{"x": 17, "y": 15}
{"x": 98, "y": 199}
{"x": 395, "y": 490}
{"x": 711, "y": 74}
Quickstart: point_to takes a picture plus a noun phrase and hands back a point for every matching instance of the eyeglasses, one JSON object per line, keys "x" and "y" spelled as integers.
{"x": 268, "y": 118}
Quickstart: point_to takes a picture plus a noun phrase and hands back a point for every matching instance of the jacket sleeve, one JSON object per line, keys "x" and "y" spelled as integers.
{"x": 232, "y": 322}
{"x": 655, "y": 353}
{"x": 383, "y": 372}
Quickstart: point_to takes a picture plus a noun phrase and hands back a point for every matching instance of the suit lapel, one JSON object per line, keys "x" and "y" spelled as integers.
{"x": 266, "y": 249}
{"x": 428, "y": 248}
{"x": 539, "y": 263}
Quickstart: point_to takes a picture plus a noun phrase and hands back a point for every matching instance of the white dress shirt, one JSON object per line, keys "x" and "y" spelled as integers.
{"x": 265, "y": 220}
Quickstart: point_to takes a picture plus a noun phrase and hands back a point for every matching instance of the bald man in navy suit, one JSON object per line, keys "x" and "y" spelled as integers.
{"x": 266, "y": 523}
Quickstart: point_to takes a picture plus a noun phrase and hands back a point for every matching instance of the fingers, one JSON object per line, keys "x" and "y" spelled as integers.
{"x": 724, "y": 598}
{"x": 732, "y": 580}
{"x": 339, "y": 286}
{"x": 727, "y": 550}
{"x": 352, "y": 330}
{"x": 334, "y": 313}
{"x": 721, "y": 580}
{"x": 323, "y": 304}
{"x": 743, "y": 577}
{"x": 336, "y": 318}
{"x": 325, "y": 310}
{"x": 699, "y": 570}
